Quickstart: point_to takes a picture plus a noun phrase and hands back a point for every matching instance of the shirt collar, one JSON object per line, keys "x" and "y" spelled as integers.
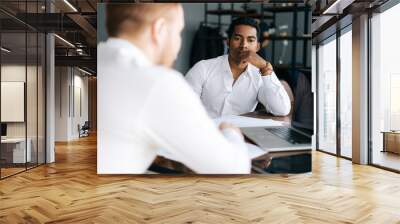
{"x": 227, "y": 67}
{"x": 129, "y": 51}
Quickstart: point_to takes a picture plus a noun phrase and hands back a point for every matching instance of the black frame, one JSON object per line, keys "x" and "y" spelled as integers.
{"x": 338, "y": 33}
{"x": 30, "y": 29}
{"x": 317, "y": 133}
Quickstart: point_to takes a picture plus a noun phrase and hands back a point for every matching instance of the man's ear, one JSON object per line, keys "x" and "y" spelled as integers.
{"x": 258, "y": 46}
{"x": 159, "y": 31}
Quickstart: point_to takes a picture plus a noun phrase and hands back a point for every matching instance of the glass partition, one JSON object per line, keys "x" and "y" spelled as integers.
{"x": 41, "y": 107}
{"x": 346, "y": 93}
{"x": 327, "y": 96}
{"x": 32, "y": 95}
{"x": 22, "y": 77}
{"x": 14, "y": 154}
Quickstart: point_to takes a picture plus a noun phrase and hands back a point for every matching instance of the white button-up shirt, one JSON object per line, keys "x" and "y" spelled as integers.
{"x": 213, "y": 81}
{"x": 143, "y": 108}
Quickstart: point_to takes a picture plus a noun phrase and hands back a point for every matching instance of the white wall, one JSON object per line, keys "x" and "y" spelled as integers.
{"x": 194, "y": 15}
{"x": 80, "y": 111}
{"x": 12, "y": 73}
{"x": 33, "y": 126}
{"x": 62, "y": 81}
{"x": 70, "y": 83}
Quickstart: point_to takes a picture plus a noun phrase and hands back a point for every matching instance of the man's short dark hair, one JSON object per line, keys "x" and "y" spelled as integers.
{"x": 243, "y": 21}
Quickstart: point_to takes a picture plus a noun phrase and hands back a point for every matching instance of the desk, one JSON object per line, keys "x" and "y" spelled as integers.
{"x": 391, "y": 141}
{"x": 13, "y": 150}
{"x": 273, "y": 162}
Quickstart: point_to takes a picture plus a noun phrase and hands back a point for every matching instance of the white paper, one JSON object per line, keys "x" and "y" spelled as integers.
{"x": 255, "y": 151}
{"x": 242, "y": 121}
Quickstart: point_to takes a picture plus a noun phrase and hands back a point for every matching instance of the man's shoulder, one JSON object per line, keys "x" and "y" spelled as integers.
{"x": 169, "y": 80}
{"x": 142, "y": 74}
{"x": 165, "y": 75}
{"x": 166, "y": 71}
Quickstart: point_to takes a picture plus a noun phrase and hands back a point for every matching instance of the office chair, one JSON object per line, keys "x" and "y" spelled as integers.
{"x": 84, "y": 130}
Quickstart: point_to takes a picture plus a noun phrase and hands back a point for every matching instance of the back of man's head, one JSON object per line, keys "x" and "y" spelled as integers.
{"x": 155, "y": 28}
{"x": 134, "y": 17}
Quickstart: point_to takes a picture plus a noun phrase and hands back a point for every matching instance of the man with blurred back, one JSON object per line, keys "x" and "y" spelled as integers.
{"x": 144, "y": 105}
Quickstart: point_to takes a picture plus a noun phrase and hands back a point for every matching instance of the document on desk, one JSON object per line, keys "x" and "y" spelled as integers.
{"x": 255, "y": 151}
{"x": 242, "y": 121}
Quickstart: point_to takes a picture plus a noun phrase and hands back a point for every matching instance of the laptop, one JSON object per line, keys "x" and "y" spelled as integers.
{"x": 298, "y": 135}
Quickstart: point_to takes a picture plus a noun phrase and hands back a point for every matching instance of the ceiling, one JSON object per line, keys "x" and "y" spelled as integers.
{"x": 74, "y": 21}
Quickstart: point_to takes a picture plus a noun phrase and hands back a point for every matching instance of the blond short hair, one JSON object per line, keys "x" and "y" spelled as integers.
{"x": 134, "y": 17}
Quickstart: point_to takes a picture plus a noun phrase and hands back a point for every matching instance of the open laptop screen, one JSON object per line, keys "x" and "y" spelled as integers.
{"x": 303, "y": 113}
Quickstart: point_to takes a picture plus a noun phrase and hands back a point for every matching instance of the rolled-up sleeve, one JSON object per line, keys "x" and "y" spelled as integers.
{"x": 273, "y": 95}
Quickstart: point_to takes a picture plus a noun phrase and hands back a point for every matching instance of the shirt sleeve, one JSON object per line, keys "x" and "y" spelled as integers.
{"x": 196, "y": 78}
{"x": 274, "y": 96}
{"x": 177, "y": 122}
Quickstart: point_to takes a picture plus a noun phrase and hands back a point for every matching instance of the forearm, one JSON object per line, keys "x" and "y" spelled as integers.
{"x": 273, "y": 96}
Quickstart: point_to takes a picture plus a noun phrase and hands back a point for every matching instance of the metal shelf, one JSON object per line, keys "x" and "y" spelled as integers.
{"x": 237, "y": 13}
{"x": 305, "y": 37}
{"x": 288, "y": 9}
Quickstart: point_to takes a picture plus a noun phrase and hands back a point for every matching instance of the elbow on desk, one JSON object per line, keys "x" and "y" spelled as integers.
{"x": 282, "y": 111}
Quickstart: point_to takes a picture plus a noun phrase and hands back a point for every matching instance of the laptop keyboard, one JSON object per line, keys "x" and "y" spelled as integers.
{"x": 290, "y": 135}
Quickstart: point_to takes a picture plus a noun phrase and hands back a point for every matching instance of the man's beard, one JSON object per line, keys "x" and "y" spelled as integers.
{"x": 238, "y": 56}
